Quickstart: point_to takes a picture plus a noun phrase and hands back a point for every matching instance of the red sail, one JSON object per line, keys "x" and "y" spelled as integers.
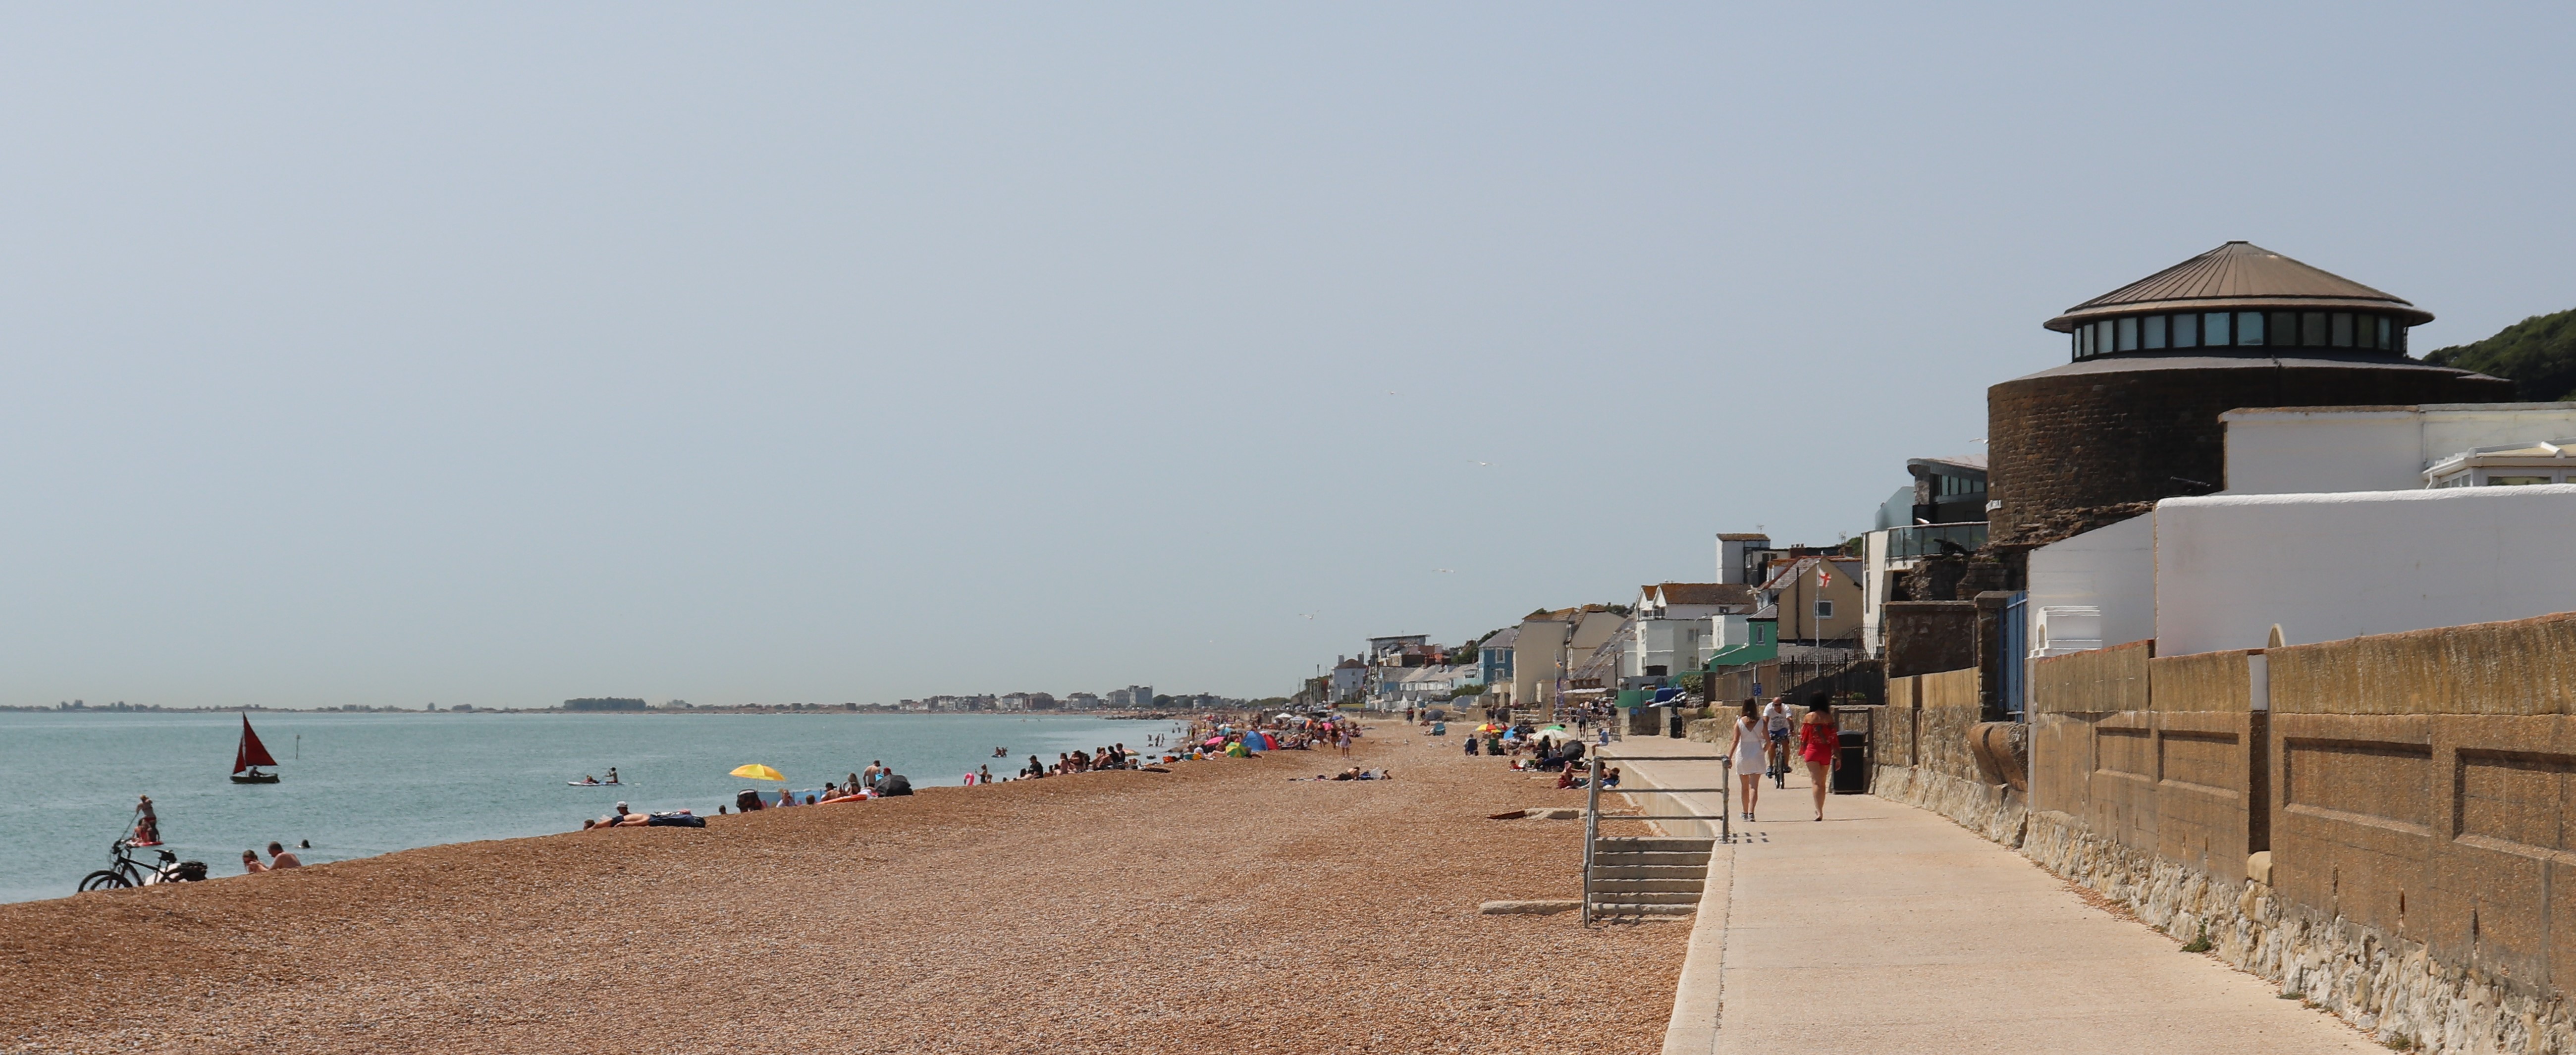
{"x": 252, "y": 752}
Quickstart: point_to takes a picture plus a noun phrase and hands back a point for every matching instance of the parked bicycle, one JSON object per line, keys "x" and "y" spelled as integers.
{"x": 124, "y": 871}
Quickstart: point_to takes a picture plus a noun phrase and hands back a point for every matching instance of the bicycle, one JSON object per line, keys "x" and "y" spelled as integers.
{"x": 125, "y": 871}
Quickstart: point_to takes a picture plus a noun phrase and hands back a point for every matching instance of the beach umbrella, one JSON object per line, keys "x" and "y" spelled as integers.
{"x": 756, "y": 771}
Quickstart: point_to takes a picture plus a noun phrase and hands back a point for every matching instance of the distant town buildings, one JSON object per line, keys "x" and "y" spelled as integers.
{"x": 2238, "y": 443}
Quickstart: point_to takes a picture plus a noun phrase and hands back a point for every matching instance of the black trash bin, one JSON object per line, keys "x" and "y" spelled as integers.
{"x": 1677, "y": 723}
{"x": 1851, "y": 763}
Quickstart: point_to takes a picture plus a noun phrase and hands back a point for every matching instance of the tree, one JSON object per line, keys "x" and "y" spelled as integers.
{"x": 2537, "y": 354}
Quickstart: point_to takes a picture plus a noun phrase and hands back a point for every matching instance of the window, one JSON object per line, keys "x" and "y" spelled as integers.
{"x": 2312, "y": 329}
{"x": 2249, "y": 327}
{"x": 2129, "y": 334}
{"x": 2383, "y": 335}
{"x": 1825, "y": 609}
{"x": 2339, "y": 331}
{"x": 2102, "y": 337}
{"x": 2186, "y": 331}
{"x": 2213, "y": 329}
{"x": 2515, "y": 481}
{"x": 2155, "y": 335}
{"x": 2282, "y": 329}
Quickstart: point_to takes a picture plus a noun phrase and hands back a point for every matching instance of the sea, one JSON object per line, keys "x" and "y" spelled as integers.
{"x": 357, "y": 784}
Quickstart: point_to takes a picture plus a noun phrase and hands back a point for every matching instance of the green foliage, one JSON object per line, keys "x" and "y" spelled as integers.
{"x": 1469, "y": 690}
{"x": 1694, "y": 681}
{"x": 2537, "y": 354}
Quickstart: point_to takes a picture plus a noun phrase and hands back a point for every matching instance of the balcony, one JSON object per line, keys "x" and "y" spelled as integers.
{"x": 1933, "y": 540}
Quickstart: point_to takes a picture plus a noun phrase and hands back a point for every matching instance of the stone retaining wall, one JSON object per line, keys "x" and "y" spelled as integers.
{"x": 2385, "y": 839}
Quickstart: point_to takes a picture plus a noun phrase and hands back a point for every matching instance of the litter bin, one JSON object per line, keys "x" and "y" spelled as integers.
{"x": 1676, "y": 723}
{"x": 1851, "y": 762}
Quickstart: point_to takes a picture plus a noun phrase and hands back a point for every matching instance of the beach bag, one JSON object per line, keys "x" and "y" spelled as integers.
{"x": 675, "y": 820}
{"x": 192, "y": 871}
{"x": 897, "y": 785}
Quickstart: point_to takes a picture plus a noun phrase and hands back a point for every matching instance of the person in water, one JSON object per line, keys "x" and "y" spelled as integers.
{"x": 612, "y": 775}
{"x": 147, "y": 825}
{"x": 279, "y": 859}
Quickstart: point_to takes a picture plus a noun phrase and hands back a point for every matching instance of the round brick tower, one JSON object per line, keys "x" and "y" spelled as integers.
{"x": 2134, "y": 417}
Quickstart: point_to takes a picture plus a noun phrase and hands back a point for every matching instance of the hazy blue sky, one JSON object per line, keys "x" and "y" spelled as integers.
{"x": 501, "y": 354}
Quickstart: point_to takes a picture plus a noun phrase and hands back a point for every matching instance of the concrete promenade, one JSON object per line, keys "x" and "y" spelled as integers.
{"x": 1889, "y": 929}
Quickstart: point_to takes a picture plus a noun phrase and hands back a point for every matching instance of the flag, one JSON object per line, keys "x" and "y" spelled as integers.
{"x": 1824, "y": 576}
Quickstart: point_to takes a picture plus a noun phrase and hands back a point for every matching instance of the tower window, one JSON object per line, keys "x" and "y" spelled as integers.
{"x": 2249, "y": 327}
{"x": 2155, "y": 335}
{"x": 2186, "y": 331}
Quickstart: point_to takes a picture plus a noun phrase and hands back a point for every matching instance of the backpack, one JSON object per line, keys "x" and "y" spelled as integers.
{"x": 897, "y": 785}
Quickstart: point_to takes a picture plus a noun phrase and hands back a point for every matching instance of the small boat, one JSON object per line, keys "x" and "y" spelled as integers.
{"x": 250, "y": 756}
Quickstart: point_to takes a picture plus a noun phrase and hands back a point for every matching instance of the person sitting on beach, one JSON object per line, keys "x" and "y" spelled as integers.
{"x": 984, "y": 775}
{"x": 1035, "y": 769}
{"x": 250, "y": 863}
{"x": 279, "y": 859}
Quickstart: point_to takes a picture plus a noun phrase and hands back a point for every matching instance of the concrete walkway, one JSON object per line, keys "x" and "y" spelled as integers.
{"x": 1889, "y": 929}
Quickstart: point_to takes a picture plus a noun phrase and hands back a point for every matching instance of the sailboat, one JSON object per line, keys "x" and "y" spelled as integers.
{"x": 250, "y": 756}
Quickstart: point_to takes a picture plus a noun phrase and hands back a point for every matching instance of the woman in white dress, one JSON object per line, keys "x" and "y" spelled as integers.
{"x": 1747, "y": 752}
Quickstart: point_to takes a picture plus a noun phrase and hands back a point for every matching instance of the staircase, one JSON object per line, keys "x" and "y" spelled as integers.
{"x": 1636, "y": 877}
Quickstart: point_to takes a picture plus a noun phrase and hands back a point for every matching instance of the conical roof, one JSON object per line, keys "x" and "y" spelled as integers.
{"x": 2239, "y": 276}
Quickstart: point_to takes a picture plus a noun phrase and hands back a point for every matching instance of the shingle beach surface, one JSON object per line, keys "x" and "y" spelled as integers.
{"x": 1217, "y": 908}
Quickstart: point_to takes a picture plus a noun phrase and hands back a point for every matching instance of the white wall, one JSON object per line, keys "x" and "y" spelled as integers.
{"x": 2330, "y": 566}
{"x": 2325, "y": 449}
{"x": 2112, "y": 568}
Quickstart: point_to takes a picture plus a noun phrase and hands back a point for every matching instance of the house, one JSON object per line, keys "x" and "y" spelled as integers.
{"x": 1670, "y": 631}
{"x": 1551, "y": 645}
{"x": 1350, "y": 678}
{"x": 1417, "y": 686}
{"x": 1817, "y": 598}
{"x": 1942, "y": 513}
{"x": 1494, "y": 657}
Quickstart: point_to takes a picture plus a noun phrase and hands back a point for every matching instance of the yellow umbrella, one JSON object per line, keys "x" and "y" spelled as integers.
{"x": 756, "y": 771}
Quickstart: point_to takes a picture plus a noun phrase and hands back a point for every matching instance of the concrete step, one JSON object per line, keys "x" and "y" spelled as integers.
{"x": 1658, "y": 845}
{"x": 1622, "y": 887}
{"x": 1647, "y": 897}
{"x": 1683, "y": 860}
{"x": 1649, "y": 871}
{"x": 1603, "y": 908}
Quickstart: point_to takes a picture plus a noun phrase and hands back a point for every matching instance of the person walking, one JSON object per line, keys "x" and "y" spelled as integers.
{"x": 1747, "y": 752}
{"x": 1819, "y": 739}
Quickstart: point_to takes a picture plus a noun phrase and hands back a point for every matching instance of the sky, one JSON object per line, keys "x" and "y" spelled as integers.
{"x": 500, "y": 354}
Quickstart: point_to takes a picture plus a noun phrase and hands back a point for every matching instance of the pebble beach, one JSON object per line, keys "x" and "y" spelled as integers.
{"x": 1219, "y": 907}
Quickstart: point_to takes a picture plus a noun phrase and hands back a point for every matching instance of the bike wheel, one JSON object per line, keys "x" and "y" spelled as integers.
{"x": 104, "y": 879}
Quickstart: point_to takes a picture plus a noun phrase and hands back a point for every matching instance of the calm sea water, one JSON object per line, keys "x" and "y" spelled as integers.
{"x": 360, "y": 784}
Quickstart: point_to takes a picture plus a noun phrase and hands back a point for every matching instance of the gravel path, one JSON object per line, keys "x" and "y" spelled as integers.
{"x": 1219, "y": 907}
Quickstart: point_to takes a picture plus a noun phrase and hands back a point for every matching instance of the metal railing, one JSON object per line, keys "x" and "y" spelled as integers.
{"x": 1592, "y": 813}
{"x": 1925, "y": 540}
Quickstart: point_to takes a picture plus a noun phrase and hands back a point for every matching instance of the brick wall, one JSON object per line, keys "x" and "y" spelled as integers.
{"x": 1926, "y": 637}
{"x": 2072, "y": 452}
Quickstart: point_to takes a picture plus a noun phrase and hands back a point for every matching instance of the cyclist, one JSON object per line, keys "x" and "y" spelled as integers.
{"x": 1776, "y": 721}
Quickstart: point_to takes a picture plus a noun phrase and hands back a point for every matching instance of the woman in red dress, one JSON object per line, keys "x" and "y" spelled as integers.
{"x": 1818, "y": 740}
